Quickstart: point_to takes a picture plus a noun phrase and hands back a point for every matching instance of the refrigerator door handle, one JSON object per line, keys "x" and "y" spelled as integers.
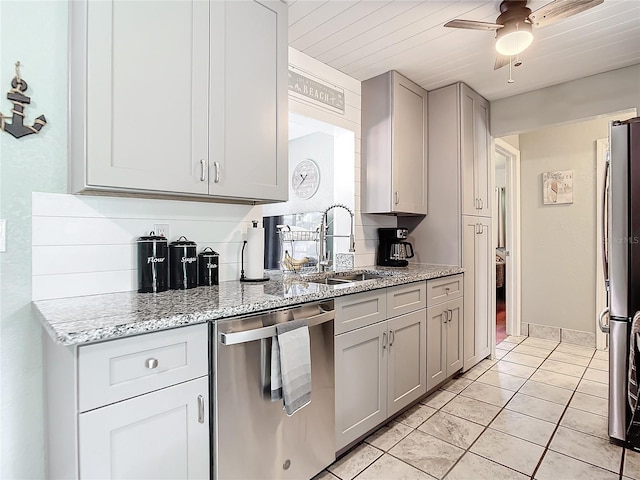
{"x": 603, "y": 327}
{"x": 605, "y": 226}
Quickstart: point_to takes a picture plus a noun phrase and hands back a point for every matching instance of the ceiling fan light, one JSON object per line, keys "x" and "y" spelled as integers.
{"x": 513, "y": 39}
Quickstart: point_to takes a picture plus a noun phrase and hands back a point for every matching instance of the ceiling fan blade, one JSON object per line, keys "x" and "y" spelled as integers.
{"x": 501, "y": 61}
{"x": 472, "y": 25}
{"x": 559, "y": 10}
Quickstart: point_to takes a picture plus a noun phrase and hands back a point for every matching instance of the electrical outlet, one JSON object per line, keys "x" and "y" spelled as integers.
{"x": 3, "y": 235}
{"x": 162, "y": 229}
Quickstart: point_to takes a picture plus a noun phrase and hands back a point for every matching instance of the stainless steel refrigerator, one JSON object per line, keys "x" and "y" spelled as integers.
{"x": 621, "y": 227}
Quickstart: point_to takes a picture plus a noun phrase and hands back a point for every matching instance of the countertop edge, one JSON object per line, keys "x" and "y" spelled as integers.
{"x": 97, "y": 333}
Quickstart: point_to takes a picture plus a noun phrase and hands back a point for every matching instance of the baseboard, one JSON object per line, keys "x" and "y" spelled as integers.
{"x": 557, "y": 334}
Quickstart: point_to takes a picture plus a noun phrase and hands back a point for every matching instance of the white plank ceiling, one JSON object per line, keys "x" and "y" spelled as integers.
{"x": 368, "y": 37}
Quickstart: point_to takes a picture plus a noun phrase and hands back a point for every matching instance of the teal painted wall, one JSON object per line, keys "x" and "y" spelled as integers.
{"x": 34, "y": 32}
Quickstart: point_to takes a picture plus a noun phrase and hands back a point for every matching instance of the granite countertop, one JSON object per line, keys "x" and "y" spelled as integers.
{"x": 94, "y": 318}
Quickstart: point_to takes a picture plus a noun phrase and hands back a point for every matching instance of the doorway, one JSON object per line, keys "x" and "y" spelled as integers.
{"x": 506, "y": 239}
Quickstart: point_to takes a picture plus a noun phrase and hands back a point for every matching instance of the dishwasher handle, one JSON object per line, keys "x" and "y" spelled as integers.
{"x": 236, "y": 338}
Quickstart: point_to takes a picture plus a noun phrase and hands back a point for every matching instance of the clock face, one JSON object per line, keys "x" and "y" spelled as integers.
{"x": 305, "y": 179}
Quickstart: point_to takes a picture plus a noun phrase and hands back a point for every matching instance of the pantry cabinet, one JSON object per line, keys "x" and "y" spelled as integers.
{"x": 180, "y": 99}
{"x": 460, "y": 180}
{"x": 381, "y": 366}
{"x": 136, "y": 407}
{"x": 394, "y": 145}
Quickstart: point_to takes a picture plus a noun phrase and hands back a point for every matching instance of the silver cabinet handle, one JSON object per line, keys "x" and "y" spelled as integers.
{"x": 216, "y": 167}
{"x": 151, "y": 363}
{"x": 450, "y": 315}
{"x": 397, "y": 198}
{"x": 392, "y": 337}
{"x": 200, "y": 409}
{"x": 604, "y": 328}
{"x": 481, "y": 204}
{"x": 203, "y": 170}
{"x": 384, "y": 340}
{"x": 446, "y": 289}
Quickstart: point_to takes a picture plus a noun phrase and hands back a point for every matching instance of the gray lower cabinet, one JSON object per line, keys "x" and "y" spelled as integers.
{"x": 445, "y": 336}
{"x": 381, "y": 367}
{"x": 444, "y": 341}
{"x": 406, "y": 369}
{"x": 130, "y": 408}
{"x": 160, "y": 435}
{"x": 361, "y": 381}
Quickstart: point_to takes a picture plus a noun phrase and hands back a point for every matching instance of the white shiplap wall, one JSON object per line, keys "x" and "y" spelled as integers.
{"x": 366, "y": 225}
{"x": 86, "y": 245}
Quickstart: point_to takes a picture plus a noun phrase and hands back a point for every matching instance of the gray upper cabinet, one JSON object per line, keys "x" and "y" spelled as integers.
{"x": 394, "y": 146}
{"x": 179, "y": 98}
{"x": 475, "y": 151}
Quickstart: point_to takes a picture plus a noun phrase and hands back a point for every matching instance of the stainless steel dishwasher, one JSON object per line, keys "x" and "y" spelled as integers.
{"x": 253, "y": 436}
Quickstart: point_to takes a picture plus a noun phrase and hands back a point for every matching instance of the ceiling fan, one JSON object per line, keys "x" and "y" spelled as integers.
{"x": 514, "y": 24}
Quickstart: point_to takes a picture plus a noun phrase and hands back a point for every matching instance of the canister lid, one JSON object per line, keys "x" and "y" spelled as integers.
{"x": 182, "y": 242}
{"x": 208, "y": 252}
{"x": 152, "y": 237}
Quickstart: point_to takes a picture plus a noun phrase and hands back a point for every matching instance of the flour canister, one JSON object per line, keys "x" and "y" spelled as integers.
{"x": 208, "y": 261}
{"x": 183, "y": 267}
{"x": 153, "y": 264}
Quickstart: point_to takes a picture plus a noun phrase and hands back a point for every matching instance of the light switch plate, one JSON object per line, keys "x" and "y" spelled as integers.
{"x": 3, "y": 235}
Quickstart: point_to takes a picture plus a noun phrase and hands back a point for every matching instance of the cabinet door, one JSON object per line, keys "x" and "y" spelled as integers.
{"x": 147, "y": 95}
{"x": 361, "y": 381}
{"x": 470, "y": 231}
{"x": 409, "y": 133}
{"x": 475, "y": 151}
{"x": 454, "y": 336}
{"x": 436, "y": 348}
{"x": 477, "y": 259}
{"x": 248, "y": 112}
{"x": 407, "y": 360}
{"x": 482, "y": 142}
{"x": 160, "y": 435}
{"x": 484, "y": 266}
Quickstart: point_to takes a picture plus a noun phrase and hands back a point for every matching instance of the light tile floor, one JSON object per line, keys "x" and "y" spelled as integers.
{"x": 539, "y": 411}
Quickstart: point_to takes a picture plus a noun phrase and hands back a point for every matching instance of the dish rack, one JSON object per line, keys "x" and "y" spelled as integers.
{"x": 295, "y": 258}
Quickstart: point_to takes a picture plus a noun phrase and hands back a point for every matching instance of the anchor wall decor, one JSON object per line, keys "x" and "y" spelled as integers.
{"x": 17, "y": 128}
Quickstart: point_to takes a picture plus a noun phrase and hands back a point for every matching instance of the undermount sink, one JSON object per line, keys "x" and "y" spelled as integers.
{"x": 346, "y": 278}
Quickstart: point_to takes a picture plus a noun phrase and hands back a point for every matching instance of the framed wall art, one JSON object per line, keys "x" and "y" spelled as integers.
{"x": 557, "y": 187}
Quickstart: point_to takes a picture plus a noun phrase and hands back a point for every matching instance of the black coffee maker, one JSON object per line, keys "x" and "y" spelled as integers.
{"x": 393, "y": 249}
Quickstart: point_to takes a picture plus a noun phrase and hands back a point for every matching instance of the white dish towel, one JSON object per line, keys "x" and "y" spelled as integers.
{"x": 291, "y": 365}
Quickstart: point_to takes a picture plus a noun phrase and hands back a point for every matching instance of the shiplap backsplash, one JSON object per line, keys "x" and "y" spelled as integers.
{"x": 87, "y": 245}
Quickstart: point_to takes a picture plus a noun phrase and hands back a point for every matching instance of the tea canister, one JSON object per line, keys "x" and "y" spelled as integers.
{"x": 183, "y": 269}
{"x": 208, "y": 263}
{"x": 153, "y": 265}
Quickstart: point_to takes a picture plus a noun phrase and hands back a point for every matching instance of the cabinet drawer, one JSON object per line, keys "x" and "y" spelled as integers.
{"x": 406, "y": 298}
{"x": 112, "y": 371}
{"x": 443, "y": 289}
{"x": 360, "y": 310}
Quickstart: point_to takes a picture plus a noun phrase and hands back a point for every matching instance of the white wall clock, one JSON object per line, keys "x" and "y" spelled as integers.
{"x": 305, "y": 179}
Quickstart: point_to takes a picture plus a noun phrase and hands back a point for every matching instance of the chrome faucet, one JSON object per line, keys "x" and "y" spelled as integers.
{"x": 324, "y": 261}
